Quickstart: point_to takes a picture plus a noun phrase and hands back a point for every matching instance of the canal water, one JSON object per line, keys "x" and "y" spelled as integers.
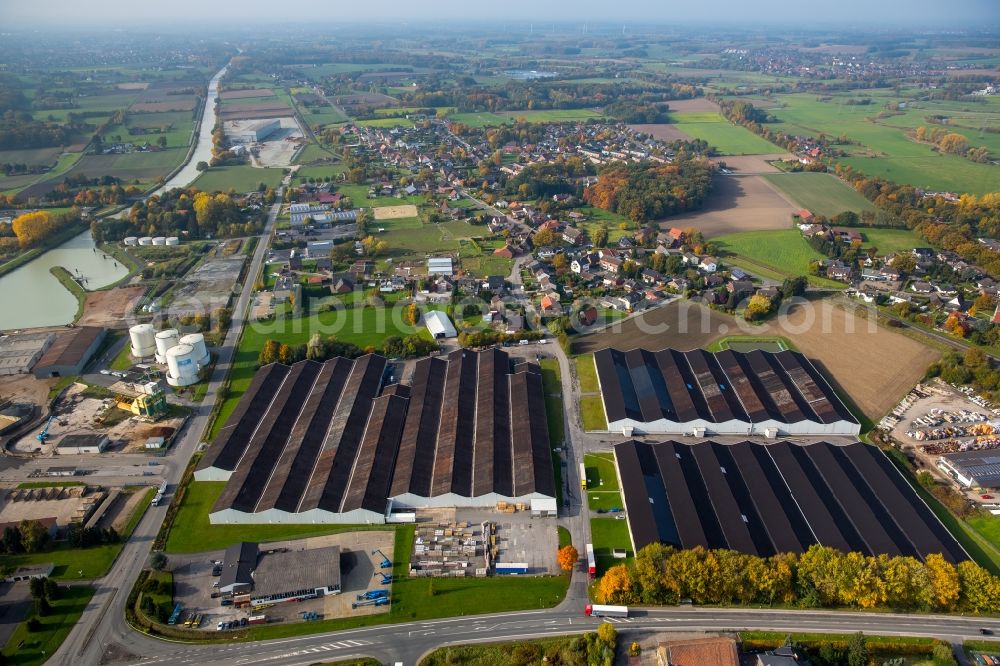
{"x": 32, "y": 296}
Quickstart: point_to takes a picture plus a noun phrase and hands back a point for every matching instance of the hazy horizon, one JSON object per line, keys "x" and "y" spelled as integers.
{"x": 862, "y": 13}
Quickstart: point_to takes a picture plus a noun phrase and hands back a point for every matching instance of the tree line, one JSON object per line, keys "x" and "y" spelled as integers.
{"x": 820, "y": 577}
{"x": 321, "y": 349}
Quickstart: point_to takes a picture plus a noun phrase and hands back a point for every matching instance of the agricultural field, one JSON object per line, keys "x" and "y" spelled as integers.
{"x": 821, "y": 193}
{"x": 385, "y": 122}
{"x": 738, "y": 204}
{"x": 891, "y": 240}
{"x": 881, "y": 145}
{"x": 486, "y": 119}
{"x": 785, "y": 250}
{"x": 727, "y": 138}
{"x": 241, "y": 178}
{"x": 681, "y": 325}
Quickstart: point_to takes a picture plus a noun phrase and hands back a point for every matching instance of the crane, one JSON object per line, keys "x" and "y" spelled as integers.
{"x": 44, "y": 434}
{"x": 386, "y": 562}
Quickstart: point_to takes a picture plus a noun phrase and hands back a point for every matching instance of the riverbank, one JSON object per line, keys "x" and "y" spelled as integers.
{"x": 72, "y": 286}
{"x": 50, "y": 243}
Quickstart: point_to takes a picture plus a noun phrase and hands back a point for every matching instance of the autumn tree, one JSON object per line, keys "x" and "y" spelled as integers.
{"x": 567, "y": 557}
{"x": 616, "y": 586}
{"x": 33, "y": 228}
{"x": 269, "y": 353}
{"x": 758, "y": 307}
{"x": 944, "y": 589}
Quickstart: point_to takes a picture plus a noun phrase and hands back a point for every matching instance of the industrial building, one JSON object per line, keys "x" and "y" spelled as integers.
{"x": 79, "y": 443}
{"x": 725, "y": 393}
{"x": 324, "y": 218}
{"x": 973, "y": 469}
{"x": 329, "y": 443}
{"x": 252, "y": 131}
{"x": 20, "y": 351}
{"x": 777, "y": 497}
{"x": 70, "y": 352}
{"x": 439, "y": 325}
{"x": 274, "y": 576}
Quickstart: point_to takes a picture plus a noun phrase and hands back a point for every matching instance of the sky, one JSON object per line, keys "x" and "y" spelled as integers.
{"x": 871, "y": 13}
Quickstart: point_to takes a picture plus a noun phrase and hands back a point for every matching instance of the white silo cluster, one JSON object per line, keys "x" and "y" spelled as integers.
{"x": 173, "y": 240}
{"x": 131, "y": 240}
{"x": 164, "y": 341}
{"x": 184, "y": 356}
{"x": 160, "y": 240}
{"x": 146, "y": 240}
{"x": 143, "y": 337}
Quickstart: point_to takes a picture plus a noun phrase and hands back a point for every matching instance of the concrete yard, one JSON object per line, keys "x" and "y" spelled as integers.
{"x": 521, "y": 538}
{"x": 64, "y": 504}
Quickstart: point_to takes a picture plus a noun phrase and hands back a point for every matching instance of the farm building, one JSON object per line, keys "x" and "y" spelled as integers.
{"x": 438, "y": 325}
{"x": 70, "y": 352}
{"x": 440, "y": 266}
{"x": 973, "y": 469}
{"x": 330, "y": 443}
{"x": 778, "y": 497}
{"x": 252, "y": 131}
{"x": 724, "y": 393}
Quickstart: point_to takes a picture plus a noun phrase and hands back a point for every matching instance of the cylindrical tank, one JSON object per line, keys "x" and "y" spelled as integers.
{"x": 143, "y": 337}
{"x": 181, "y": 367}
{"x": 160, "y": 240}
{"x": 197, "y": 343}
{"x": 165, "y": 340}
{"x": 131, "y": 240}
{"x": 145, "y": 240}
{"x": 173, "y": 240}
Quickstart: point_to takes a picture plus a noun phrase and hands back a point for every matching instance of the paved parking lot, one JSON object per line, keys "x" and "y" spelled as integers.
{"x": 193, "y": 580}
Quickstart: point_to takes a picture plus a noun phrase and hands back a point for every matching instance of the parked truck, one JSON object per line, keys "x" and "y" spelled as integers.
{"x": 591, "y": 561}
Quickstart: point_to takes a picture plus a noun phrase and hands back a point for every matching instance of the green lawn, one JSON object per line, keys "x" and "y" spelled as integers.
{"x": 601, "y": 471}
{"x": 592, "y": 413}
{"x": 552, "y": 387}
{"x": 892, "y": 240}
{"x": 821, "y": 193}
{"x": 40, "y": 645}
{"x": 988, "y": 527}
{"x": 784, "y": 250}
{"x": 606, "y": 535}
{"x": 486, "y": 119}
{"x": 385, "y": 122}
{"x": 586, "y": 373}
{"x": 359, "y": 196}
{"x": 241, "y": 178}
{"x": 192, "y": 533}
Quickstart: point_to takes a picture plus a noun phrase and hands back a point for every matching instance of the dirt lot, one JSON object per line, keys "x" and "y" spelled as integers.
{"x": 681, "y": 325}
{"x": 280, "y": 147}
{"x": 874, "y": 366}
{"x": 662, "y": 132}
{"x": 109, "y": 308}
{"x": 178, "y": 104}
{"x": 25, "y": 388}
{"x": 241, "y": 94}
{"x": 375, "y": 100}
{"x": 249, "y": 111}
{"x": 696, "y": 105}
{"x": 738, "y": 203}
{"x": 752, "y": 164}
{"x": 394, "y": 212}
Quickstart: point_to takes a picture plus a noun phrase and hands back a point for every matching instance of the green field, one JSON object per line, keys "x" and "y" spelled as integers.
{"x": 241, "y": 178}
{"x": 601, "y": 471}
{"x": 608, "y": 534}
{"x": 988, "y": 527}
{"x": 592, "y": 413}
{"x": 880, "y": 145}
{"x": 891, "y": 240}
{"x": 821, "y": 193}
{"x": 486, "y": 119}
{"x": 727, "y": 138}
{"x": 783, "y": 249}
{"x": 385, "y": 122}
{"x": 38, "y": 646}
{"x": 586, "y": 373}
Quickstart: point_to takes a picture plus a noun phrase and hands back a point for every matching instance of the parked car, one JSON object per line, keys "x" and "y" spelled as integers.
{"x": 220, "y": 625}
{"x": 227, "y": 602}
{"x": 244, "y": 622}
{"x": 987, "y": 496}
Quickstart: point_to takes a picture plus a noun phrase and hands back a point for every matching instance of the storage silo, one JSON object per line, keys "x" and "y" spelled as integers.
{"x": 143, "y": 337}
{"x": 197, "y": 343}
{"x": 181, "y": 367}
{"x": 165, "y": 340}
{"x": 145, "y": 240}
{"x": 173, "y": 240}
{"x": 131, "y": 240}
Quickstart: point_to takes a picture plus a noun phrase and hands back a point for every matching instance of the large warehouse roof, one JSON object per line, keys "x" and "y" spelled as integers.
{"x": 325, "y": 438}
{"x": 670, "y": 390}
{"x": 975, "y": 468}
{"x": 771, "y": 498}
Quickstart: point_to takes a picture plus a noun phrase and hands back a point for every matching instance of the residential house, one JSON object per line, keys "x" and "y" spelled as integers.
{"x": 611, "y": 263}
{"x": 573, "y": 236}
{"x": 708, "y": 265}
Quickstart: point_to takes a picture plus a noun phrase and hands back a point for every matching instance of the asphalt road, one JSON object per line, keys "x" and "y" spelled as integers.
{"x": 103, "y": 620}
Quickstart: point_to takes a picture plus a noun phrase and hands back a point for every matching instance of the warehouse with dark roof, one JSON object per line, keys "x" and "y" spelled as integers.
{"x": 725, "y": 393}
{"x": 778, "y": 497}
{"x": 328, "y": 443}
